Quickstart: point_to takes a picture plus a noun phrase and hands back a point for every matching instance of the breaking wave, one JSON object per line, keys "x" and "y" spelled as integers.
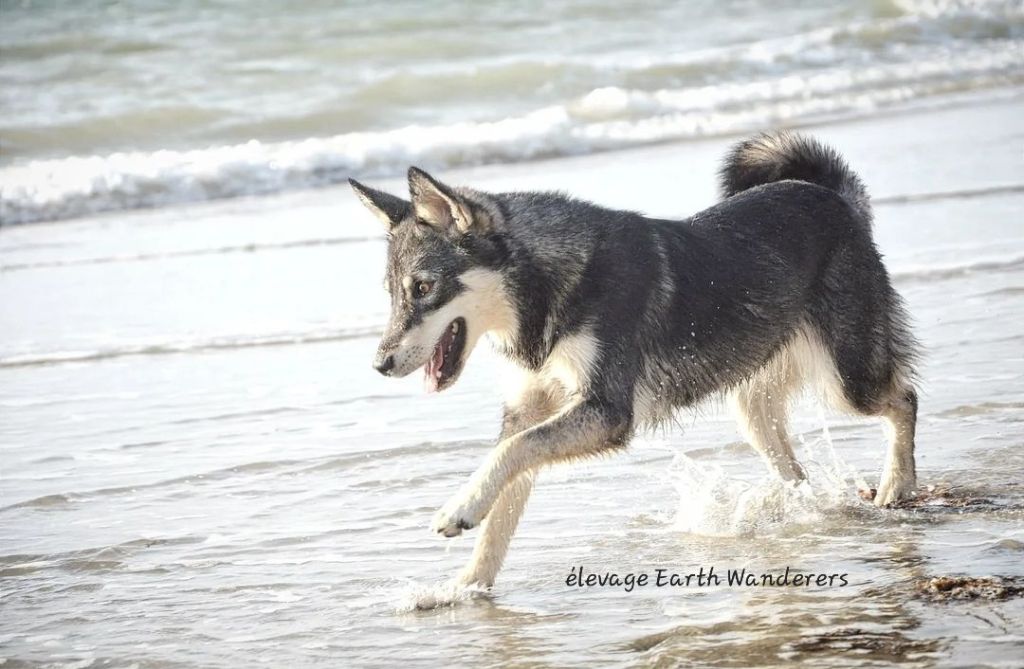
{"x": 928, "y": 50}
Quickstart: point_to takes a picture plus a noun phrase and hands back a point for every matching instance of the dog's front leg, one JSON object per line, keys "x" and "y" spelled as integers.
{"x": 530, "y": 407}
{"x": 583, "y": 428}
{"x": 496, "y": 532}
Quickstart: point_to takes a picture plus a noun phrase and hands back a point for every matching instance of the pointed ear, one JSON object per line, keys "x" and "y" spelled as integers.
{"x": 437, "y": 205}
{"x": 385, "y": 206}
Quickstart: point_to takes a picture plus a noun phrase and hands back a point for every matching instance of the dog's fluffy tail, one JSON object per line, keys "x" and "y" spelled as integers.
{"x": 782, "y": 155}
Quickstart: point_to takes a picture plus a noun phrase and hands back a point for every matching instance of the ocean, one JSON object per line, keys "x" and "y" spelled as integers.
{"x": 110, "y": 106}
{"x": 200, "y": 468}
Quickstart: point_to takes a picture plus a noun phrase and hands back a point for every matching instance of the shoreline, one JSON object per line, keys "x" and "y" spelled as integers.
{"x": 941, "y": 104}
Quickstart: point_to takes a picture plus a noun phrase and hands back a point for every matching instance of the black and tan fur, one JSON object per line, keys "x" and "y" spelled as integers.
{"x": 614, "y": 320}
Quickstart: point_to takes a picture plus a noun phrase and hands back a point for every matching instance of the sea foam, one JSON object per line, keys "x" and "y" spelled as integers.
{"x": 835, "y": 72}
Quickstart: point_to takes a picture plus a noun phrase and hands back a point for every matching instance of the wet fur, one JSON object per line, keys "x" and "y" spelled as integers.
{"x": 615, "y": 320}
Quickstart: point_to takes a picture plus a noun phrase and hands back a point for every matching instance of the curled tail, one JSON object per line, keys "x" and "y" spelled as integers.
{"x": 782, "y": 155}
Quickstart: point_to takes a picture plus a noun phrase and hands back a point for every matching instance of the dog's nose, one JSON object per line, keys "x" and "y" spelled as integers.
{"x": 385, "y": 365}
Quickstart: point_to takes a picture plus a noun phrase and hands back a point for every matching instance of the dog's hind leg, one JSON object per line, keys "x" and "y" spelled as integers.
{"x": 761, "y": 405}
{"x": 899, "y": 477}
{"x": 530, "y": 408}
{"x": 872, "y": 361}
{"x": 895, "y": 401}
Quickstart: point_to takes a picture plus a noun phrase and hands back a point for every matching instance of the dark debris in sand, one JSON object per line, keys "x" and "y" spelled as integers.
{"x": 937, "y": 497}
{"x": 879, "y": 645}
{"x": 968, "y": 588}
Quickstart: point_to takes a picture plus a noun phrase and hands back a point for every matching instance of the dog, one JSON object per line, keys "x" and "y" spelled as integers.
{"x": 614, "y": 320}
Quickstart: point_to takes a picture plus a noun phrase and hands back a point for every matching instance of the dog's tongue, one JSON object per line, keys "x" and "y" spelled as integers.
{"x": 432, "y": 370}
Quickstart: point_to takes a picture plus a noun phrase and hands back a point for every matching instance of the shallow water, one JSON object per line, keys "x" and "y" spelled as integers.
{"x": 200, "y": 468}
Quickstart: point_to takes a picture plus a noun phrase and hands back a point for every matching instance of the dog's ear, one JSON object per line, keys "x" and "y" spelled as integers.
{"x": 385, "y": 206}
{"x": 438, "y": 205}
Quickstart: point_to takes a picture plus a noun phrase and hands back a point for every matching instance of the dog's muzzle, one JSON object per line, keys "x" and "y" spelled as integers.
{"x": 384, "y": 363}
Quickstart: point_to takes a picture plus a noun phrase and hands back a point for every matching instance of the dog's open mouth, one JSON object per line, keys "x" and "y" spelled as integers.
{"x": 446, "y": 361}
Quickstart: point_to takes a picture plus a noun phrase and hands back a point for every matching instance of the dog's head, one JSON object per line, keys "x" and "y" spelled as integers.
{"x": 446, "y": 291}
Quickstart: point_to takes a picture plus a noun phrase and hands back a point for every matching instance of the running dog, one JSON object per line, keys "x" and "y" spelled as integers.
{"x": 614, "y": 320}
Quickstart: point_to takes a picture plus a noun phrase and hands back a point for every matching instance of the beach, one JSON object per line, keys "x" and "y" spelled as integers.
{"x": 201, "y": 468}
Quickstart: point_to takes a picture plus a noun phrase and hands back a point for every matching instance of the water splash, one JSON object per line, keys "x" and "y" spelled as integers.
{"x": 425, "y": 597}
{"x": 839, "y": 468}
{"x": 716, "y": 503}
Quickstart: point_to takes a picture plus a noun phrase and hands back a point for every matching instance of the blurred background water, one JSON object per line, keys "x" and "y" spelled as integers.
{"x": 198, "y": 466}
{"x": 117, "y": 105}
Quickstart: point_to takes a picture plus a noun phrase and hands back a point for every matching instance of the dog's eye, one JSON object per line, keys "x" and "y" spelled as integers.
{"x": 422, "y": 288}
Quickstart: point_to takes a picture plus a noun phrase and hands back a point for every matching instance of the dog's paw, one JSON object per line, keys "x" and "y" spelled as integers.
{"x": 454, "y": 517}
{"x": 892, "y": 492}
